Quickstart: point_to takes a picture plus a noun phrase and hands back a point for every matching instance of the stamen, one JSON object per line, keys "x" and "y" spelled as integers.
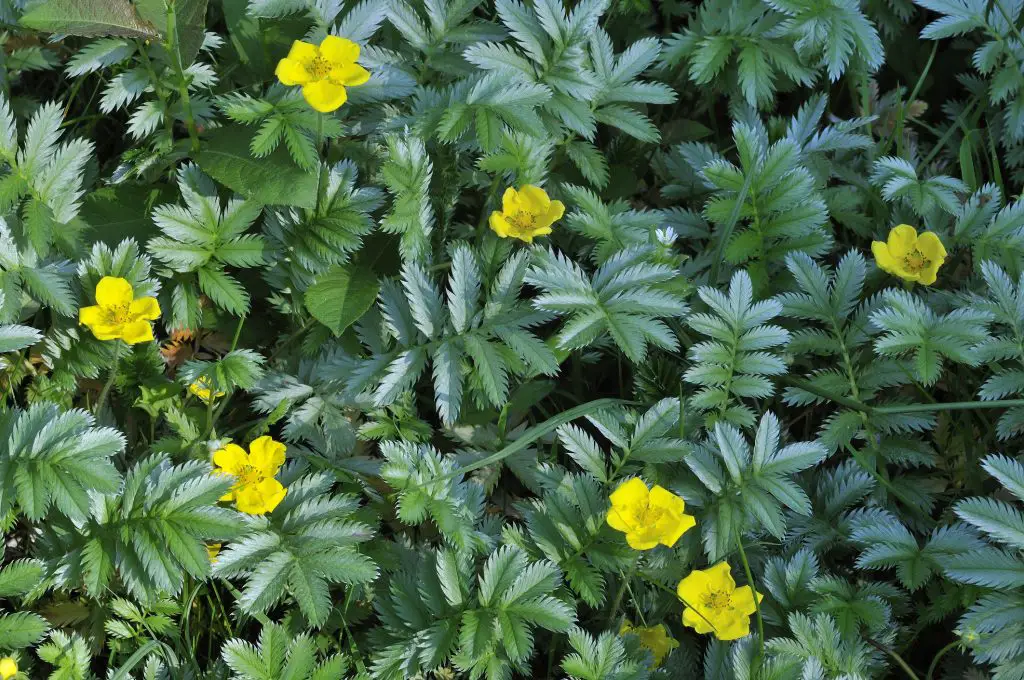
{"x": 319, "y": 68}
{"x": 915, "y": 261}
{"x": 717, "y": 599}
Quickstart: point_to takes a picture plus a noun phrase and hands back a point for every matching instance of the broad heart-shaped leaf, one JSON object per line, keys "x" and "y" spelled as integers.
{"x": 271, "y": 180}
{"x": 189, "y": 19}
{"x": 341, "y": 295}
{"x": 89, "y": 18}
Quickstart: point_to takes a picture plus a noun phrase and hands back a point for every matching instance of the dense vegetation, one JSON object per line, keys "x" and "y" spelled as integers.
{"x": 596, "y": 339}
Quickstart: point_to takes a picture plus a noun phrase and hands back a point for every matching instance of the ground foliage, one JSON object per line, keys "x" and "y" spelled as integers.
{"x": 707, "y": 315}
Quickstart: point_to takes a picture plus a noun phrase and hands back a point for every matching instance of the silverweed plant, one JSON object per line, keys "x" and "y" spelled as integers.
{"x": 494, "y": 339}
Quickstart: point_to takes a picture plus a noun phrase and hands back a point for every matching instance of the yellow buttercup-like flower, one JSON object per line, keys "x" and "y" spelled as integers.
{"x": 909, "y": 256}
{"x": 201, "y": 388}
{"x": 8, "y": 668}
{"x": 118, "y": 314}
{"x": 526, "y": 213}
{"x": 654, "y": 638}
{"x": 648, "y": 517}
{"x": 715, "y": 605}
{"x": 213, "y": 549}
{"x": 323, "y": 71}
{"x": 255, "y": 491}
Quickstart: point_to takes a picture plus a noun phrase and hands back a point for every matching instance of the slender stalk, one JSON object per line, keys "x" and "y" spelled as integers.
{"x": 808, "y": 386}
{"x": 895, "y": 657}
{"x": 186, "y": 100}
{"x": 620, "y": 592}
{"x": 757, "y": 604}
{"x": 211, "y": 415}
{"x": 159, "y": 89}
{"x": 110, "y": 378}
{"x": 949, "y": 406}
{"x": 897, "y": 134}
{"x": 935, "y": 661}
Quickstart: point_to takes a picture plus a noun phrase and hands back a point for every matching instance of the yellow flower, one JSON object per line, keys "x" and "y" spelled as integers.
{"x": 526, "y": 213}
{"x": 118, "y": 314}
{"x": 648, "y": 517}
{"x": 8, "y": 668}
{"x": 255, "y": 491}
{"x": 909, "y": 256}
{"x": 654, "y": 638}
{"x": 201, "y": 388}
{"x": 213, "y": 549}
{"x": 715, "y": 604}
{"x": 323, "y": 72}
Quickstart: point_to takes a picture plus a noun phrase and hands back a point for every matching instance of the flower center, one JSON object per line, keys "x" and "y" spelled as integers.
{"x": 915, "y": 261}
{"x": 649, "y": 516}
{"x": 319, "y": 68}
{"x": 249, "y": 475}
{"x": 717, "y": 599}
{"x": 118, "y": 315}
{"x": 523, "y": 221}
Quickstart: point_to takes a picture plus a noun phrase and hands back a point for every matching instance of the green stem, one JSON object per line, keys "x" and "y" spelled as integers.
{"x": 949, "y": 406}
{"x": 159, "y": 89}
{"x": 935, "y": 661}
{"x": 897, "y": 134}
{"x": 186, "y": 100}
{"x": 824, "y": 393}
{"x": 211, "y": 416}
{"x": 895, "y": 657}
{"x": 911, "y": 505}
{"x": 757, "y": 604}
{"x": 621, "y": 592}
{"x": 110, "y": 378}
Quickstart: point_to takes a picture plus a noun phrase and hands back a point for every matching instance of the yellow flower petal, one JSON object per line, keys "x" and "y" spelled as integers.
{"x": 113, "y": 292}
{"x": 743, "y": 600}
{"x": 324, "y": 96}
{"x": 885, "y": 261}
{"x": 928, "y": 275}
{"x": 534, "y": 199}
{"x": 693, "y": 586}
{"x": 8, "y": 668}
{"x": 499, "y": 225}
{"x": 91, "y": 316}
{"x": 510, "y": 201}
{"x": 930, "y": 246}
{"x": 266, "y": 455}
{"x": 136, "y": 332}
{"x": 555, "y": 212}
{"x": 260, "y": 498}
{"x": 732, "y": 627}
{"x": 641, "y": 540}
{"x": 629, "y": 493}
{"x": 302, "y": 52}
{"x": 230, "y": 459}
{"x": 339, "y": 51}
{"x": 694, "y": 620}
{"x": 146, "y": 308}
{"x": 107, "y": 331}
{"x": 273, "y": 493}
{"x": 661, "y": 497}
{"x": 292, "y": 72}
{"x": 677, "y": 525}
{"x": 619, "y": 519}
{"x": 901, "y": 240}
{"x": 350, "y": 75}
{"x": 720, "y": 577}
